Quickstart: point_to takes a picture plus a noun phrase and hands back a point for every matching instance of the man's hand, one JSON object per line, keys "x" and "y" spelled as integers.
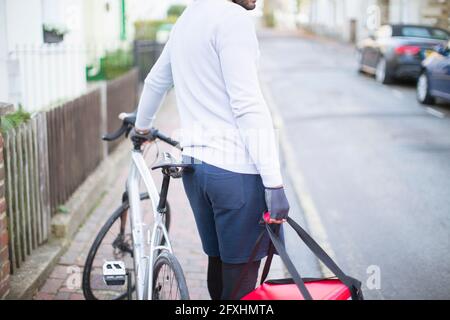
{"x": 140, "y": 136}
{"x": 277, "y": 204}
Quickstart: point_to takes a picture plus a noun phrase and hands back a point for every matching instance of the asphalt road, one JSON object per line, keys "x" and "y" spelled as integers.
{"x": 375, "y": 162}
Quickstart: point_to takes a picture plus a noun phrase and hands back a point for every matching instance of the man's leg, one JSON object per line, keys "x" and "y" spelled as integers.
{"x": 215, "y": 284}
{"x": 231, "y": 275}
{"x": 238, "y": 202}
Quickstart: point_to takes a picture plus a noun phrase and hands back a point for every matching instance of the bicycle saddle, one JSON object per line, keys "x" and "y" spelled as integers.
{"x": 167, "y": 161}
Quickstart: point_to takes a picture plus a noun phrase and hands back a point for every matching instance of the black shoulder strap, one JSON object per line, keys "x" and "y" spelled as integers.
{"x": 270, "y": 254}
{"x": 353, "y": 284}
{"x": 288, "y": 263}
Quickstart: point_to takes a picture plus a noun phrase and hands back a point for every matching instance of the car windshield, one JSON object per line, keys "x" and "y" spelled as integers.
{"x": 422, "y": 32}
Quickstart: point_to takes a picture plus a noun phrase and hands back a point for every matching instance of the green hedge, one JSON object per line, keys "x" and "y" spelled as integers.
{"x": 117, "y": 63}
{"x": 13, "y": 120}
{"x": 269, "y": 20}
{"x": 147, "y": 29}
{"x": 112, "y": 65}
{"x": 176, "y": 11}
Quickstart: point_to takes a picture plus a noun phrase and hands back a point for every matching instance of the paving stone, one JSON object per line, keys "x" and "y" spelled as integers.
{"x": 51, "y": 286}
{"x": 44, "y": 296}
{"x": 76, "y": 296}
{"x": 62, "y": 295}
{"x": 59, "y": 272}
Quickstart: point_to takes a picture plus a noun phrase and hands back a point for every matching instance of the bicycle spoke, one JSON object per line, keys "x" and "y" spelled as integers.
{"x": 171, "y": 282}
{"x": 168, "y": 275}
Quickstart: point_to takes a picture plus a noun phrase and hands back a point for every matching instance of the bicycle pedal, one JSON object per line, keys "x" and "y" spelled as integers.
{"x": 114, "y": 273}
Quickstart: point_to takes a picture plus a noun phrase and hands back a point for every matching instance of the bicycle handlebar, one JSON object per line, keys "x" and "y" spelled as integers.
{"x": 128, "y": 124}
{"x": 155, "y": 133}
{"x": 116, "y": 135}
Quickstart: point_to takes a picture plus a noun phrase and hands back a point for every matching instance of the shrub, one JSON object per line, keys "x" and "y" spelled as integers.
{"x": 147, "y": 29}
{"x": 176, "y": 11}
{"x": 112, "y": 65}
{"x": 269, "y": 20}
{"x": 117, "y": 63}
{"x": 13, "y": 120}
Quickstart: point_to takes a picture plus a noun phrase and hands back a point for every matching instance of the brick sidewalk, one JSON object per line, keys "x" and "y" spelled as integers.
{"x": 183, "y": 232}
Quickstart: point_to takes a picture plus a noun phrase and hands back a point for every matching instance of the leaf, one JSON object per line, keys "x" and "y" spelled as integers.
{"x": 63, "y": 209}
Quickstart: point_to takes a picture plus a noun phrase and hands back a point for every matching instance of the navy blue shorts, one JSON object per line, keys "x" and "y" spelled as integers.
{"x": 228, "y": 207}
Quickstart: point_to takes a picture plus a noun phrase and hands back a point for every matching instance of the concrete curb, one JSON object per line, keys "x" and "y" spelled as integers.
{"x": 34, "y": 272}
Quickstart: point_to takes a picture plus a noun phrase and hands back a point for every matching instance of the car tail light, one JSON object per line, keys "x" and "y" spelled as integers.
{"x": 407, "y": 50}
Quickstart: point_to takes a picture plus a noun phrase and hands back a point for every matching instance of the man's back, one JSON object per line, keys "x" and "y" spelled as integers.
{"x": 203, "y": 101}
{"x": 195, "y": 60}
{"x": 211, "y": 59}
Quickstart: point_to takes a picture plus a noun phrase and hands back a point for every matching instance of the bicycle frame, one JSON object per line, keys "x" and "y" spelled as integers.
{"x": 143, "y": 261}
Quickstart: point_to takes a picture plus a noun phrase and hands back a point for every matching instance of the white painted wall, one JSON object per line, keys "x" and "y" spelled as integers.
{"x": 23, "y": 25}
{"x": 406, "y": 11}
{"x": 24, "y": 22}
{"x": 38, "y": 74}
{"x": 4, "y": 83}
{"x": 102, "y": 25}
{"x": 332, "y": 17}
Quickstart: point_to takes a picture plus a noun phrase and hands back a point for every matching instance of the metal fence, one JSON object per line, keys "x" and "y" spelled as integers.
{"x": 27, "y": 188}
{"x": 43, "y": 76}
{"x": 146, "y": 53}
{"x": 122, "y": 96}
{"x": 74, "y": 145}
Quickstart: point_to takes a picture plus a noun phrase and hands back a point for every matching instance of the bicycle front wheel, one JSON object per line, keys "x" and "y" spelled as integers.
{"x": 113, "y": 242}
{"x": 169, "y": 282}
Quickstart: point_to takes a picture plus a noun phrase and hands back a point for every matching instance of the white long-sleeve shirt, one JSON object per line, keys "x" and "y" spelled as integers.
{"x": 211, "y": 59}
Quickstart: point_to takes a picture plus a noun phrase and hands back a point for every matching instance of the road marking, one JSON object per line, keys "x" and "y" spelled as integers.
{"x": 435, "y": 112}
{"x": 312, "y": 216}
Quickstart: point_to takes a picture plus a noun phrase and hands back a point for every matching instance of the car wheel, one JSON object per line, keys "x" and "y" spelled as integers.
{"x": 382, "y": 75}
{"x": 423, "y": 90}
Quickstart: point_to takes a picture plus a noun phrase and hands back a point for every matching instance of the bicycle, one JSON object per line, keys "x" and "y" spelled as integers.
{"x": 150, "y": 262}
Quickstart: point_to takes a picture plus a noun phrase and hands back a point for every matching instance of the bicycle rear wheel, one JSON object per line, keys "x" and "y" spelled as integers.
{"x": 113, "y": 243}
{"x": 169, "y": 282}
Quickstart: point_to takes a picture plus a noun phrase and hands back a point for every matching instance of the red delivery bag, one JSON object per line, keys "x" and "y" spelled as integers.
{"x": 341, "y": 287}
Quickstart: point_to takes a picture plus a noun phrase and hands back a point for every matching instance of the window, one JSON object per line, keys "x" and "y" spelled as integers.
{"x": 439, "y": 34}
{"x": 421, "y": 32}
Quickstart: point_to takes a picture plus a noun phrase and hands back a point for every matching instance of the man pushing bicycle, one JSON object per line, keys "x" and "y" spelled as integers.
{"x": 227, "y": 136}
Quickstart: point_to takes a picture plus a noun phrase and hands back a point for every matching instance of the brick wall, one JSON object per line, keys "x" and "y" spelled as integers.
{"x": 4, "y": 253}
{"x": 4, "y": 238}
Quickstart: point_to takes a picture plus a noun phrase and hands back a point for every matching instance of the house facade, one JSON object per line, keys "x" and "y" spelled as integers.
{"x": 352, "y": 20}
{"x": 36, "y": 73}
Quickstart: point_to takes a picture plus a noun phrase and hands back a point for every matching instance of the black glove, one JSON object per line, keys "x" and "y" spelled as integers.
{"x": 277, "y": 204}
{"x": 141, "y": 137}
